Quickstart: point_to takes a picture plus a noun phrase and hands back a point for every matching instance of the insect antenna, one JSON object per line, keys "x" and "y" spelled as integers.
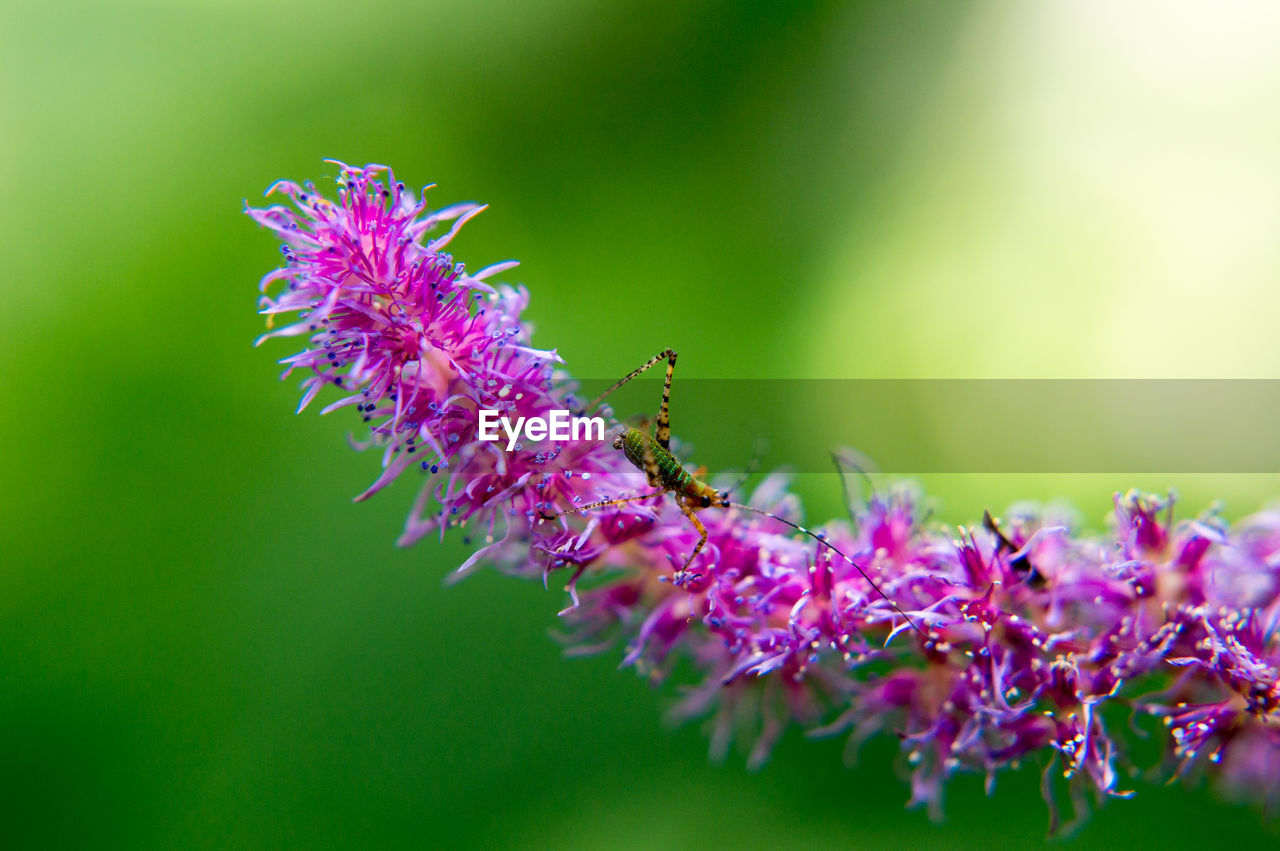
{"x": 760, "y": 446}
{"x": 822, "y": 540}
{"x": 859, "y": 464}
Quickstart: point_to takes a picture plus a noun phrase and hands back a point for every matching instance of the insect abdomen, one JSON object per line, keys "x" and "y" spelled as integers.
{"x": 671, "y": 474}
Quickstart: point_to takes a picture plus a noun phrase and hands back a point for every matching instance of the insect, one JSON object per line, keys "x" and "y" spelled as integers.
{"x": 651, "y": 453}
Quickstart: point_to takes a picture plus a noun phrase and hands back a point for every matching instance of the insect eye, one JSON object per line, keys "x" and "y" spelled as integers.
{"x": 706, "y": 502}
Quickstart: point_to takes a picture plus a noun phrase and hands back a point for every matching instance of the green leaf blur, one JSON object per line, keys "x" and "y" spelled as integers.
{"x": 206, "y": 644}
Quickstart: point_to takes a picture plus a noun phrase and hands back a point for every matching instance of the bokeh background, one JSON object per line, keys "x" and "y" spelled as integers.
{"x": 204, "y": 643}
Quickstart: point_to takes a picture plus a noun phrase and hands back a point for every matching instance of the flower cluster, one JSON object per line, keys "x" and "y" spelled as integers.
{"x": 419, "y": 346}
{"x": 1027, "y": 639}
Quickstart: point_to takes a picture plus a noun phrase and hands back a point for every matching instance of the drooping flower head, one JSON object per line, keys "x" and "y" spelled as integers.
{"x": 1031, "y": 630}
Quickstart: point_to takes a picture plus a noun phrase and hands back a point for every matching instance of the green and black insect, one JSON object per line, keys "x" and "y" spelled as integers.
{"x": 651, "y": 454}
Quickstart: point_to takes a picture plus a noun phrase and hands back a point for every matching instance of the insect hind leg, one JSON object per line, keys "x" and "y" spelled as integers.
{"x": 663, "y": 432}
{"x": 664, "y": 418}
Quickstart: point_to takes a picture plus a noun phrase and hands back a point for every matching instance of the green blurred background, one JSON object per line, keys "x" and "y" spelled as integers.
{"x": 204, "y": 643}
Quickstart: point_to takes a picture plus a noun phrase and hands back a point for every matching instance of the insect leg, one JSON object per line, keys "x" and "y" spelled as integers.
{"x": 601, "y": 504}
{"x": 702, "y": 534}
{"x": 663, "y": 432}
{"x": 666, "y": 354}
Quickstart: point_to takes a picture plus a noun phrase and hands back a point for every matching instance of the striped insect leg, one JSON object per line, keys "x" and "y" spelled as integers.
{"x": 601, "y": 504}
{"x": 702, "y": 535}
{"x": 666, "y": 354}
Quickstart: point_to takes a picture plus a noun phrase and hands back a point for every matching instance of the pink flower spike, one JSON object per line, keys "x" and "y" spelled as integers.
{"x": 1029, "y": 635}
